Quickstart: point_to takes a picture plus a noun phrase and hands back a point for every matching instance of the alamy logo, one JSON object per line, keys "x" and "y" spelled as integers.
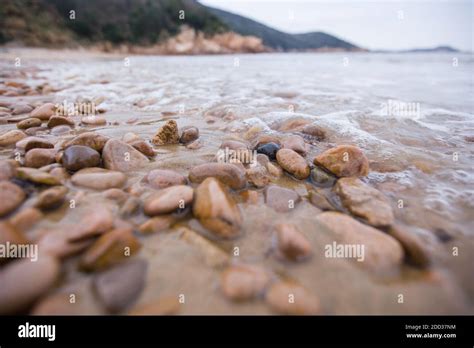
{"x": 37, "y": 331}
{"x": 24, "y": 251}
{"x": 345, "y": 251}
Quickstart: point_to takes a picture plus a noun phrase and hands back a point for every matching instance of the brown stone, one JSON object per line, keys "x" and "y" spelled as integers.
{"x": 93, "y": 140}
{"x": 292, "y": 299}
{"x": 121, "y": 156}
{"x": 292, "y": 244}
{"x": 344, "y": 160}
{"x": 168, "y": 200}
{"x": 295, "y": 143}
{"x": 281, "y": 199}
{"x": 244, "y": 282}
{"x": 167, "y": 134}
{"x": 26, "y": 218}
{"x": 157, "y": 224}
{"x": 60, "y": 121}
{"x": 51, "y": 198}
{"x": 37, "y": 176}
{"x": 143, "y": 147}
{"x": 37, "y": 158}
{"x": 77, "y": 157}
{"x": 414, "y": 247}
{"x": 95, "y": 221}
{"x": 99, "y": 178}
{"x": 229, "y": 174}
{"x": 293, "y": 163}
{"x": 44, "y": 112}
{"x": 162, "y": 178}
{"x": 11, "y": 197}
{"x": 11, "y": 137}
{"x": 188, "y": 134}
{"x": 28, "y": 123}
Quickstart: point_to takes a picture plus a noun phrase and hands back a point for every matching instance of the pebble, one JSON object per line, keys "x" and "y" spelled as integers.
{"x": 269, "y": 149}
{"x": 26, "y": 218}
{"x": 11, "y": 137}
{"x": 60, "y": 173}
{"x": 23, "y": 282}
{"x": 322, "y": 178}
{"x": 12, "y": 234}
{"x": 195, "y": 145}
{"x": 93, "y": 140}
{"x": 244, "y": 282}
{"x": 99, "y": 178}
{"x": 94, "y": 120}
{"x": 157, "y": 224}
{"x": 344, "y": 160}
{"x": 22, "y": 108}
{"x": 188, "y": 134}
{"x": 216, "y": 210}
{"x": 365, "y": 201}
{"x": 129, "y": 207}
{"x": 77, "y": 157}
{"x": 319, "y": 200}
{"x": 11, "y": 197}
{"x": 382, "y": 252}
{"x": 295, "y": 143}
{"x": 168, "y": 200}
{"x": 274, "y": 170}
{"x": 115, "y": 194}
{"x": 143, "y": 147}
{"x": 28, "y": 123}
{"x": 291, "y": 243}
{"x": 51, "y": 198}
{"x": 111, "y": 248}
{"x": 57, "y": 244}
{"x": 293, "y": 163}
{"x": 37, "y": 176}
{"x": 60, "y": 130}
{"x": 415, "y": 249}
{"x": 120, "y": 286}
{"x": 315, "y": 131}
{"x": 121, "y": 156}
{"x": 130, "y": 137}
{"x": 162, "y": 178}
{"x": 290, "y": 298}
{"x": 96, "y": 220}
{"x": 37, "y": 158}
{"x": 7, "y": 169}
{"x": 55, "y": 121}
{"x": 167, "y": 134}
{"x": 258, "y": 176}
{"x": 281, "y": 199}
{"x": 44, "y": 112}
{"x": 229, "y": 174}
{"x": 30, "y": 143}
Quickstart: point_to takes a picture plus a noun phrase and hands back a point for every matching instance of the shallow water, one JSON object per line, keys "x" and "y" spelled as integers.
{"x": 418, "y": 154}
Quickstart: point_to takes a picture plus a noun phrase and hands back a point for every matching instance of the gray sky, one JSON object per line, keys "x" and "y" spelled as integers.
{"x": 382, "y": 24}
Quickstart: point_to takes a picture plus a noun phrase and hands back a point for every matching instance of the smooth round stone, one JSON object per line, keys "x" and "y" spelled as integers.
{"x": 11, "y": 137}
{"x": 58, "y": 130}
{"x": 189, "y": 134}
{"x": 415, "y": 248}
{"x": 258, "y": 176}
{"x": 94, "y": 120}
{"x": 274, "y": 170}
{"x": 269, "y": 149}
{"x": 365, "y": 201}
{"x": 115, "y": 194}
{"x": 130, "y": 137}
{"x": 168, "y": 200}
{"x": 37, "y": 158}
{"x": 77, "y": 157}
{"x": 293, "y": 163}
{"x": 9, "y": 232}
{"x": 109, "y": 250}
{"x": 52, "y": 197}
{"x": 7, "y": 169}
{"x": 382, "y": 253}
{"x": 55, "y": 121}
{"x": 99, "y": 178}
{"x": 121, "y": 156}
{"x": 157, "y": 224}
{"x": 195, "y": 145}
{"x": 37, "y": 176}
{"x": 24, "y": 281}
{"x": 281, "y": 199}
{"x": 34, "y": 143}
{"x": 44, "y": 112}
{"x": 28, "y": 123}
{"x": 314, "y": 131}
{"x": 120, "y": 286}
{"x": 216, "y": 210}
{"x": 21, "y": 108}
{"x": 96, "y": 220}
{"x": 244, "y": 282}
{"x": 344, "y": 160}
{"x": 302, "y": 302}
{"x": 11, "y": 196}
{"x": 292, "y": 244}
{"x": 229, "y": 174}
{"x": 295, "y": 143}
{"x": 322, "y": 178}
{"x": 93, "y": 140}
{"x": 167, "y": 134}
{"x": 162, "y": 178}
{"x": 26, "y": 218}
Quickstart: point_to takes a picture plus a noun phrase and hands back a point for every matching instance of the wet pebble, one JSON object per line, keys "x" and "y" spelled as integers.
{"x": 44, "y": 112}
{"x": 118, "y": 287}
{"x": 143, "y": 147}
{"x": 51, "y": 198}
{"x": 322, "y": 178}
{"x": 291, "y": 243}
{"x": 188, "y": 134}
{"x": 162, "y": 178}
{"x": 96, "y": 220}
{"x": 293, "y": 163}
{"x": 99, "y": 178}
{"x": 295, "y": 143}
{"x": 281, "y": 199}
{"x": 7, "y": 169}
{"x": 94, "y": 120}
{"x": 229, "y": 174}
{"x": 269, "y": 149}
{"x": 23, "y": 282}
{"x": 93, "y": 140}
{"x": 11, "y": 137}
{"x": 121, "y": 156}
{"x": 258, "y": 176}
{"x": 168, "y": 200}
{"x": 26, "y": 218}
{"x": 37, "y": 158}
{"x": 28, "y": 123}
{"x": 37, "y": 176}
{"x": 244, "y": 282}
{"x": 415, "y": 248}
{"x": 216, "y": 210}
{"x": 22, "y": 108}
{"x": 33, "y": 142}
{"x": 11, "y": 197}
{"x": 77, "y": 157}
{"x": 55, "y": 121}
{"x": 157, "y": 224}
{"x": 315, "y": 131}
{"x": 344, "y": 160}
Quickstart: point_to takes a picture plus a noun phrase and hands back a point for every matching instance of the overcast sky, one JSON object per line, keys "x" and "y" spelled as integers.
{"x": 382, "y": 24}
